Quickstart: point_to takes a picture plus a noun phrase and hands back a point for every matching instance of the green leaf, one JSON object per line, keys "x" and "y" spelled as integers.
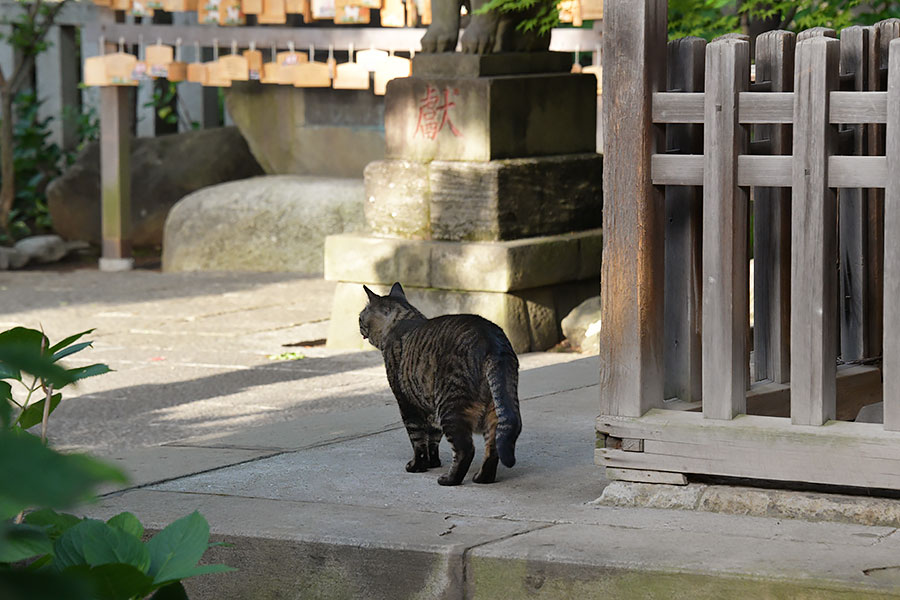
{"x": 19, "y": 542}
{"x": 72, "y": 338}
{"x": 177, "y": 548}
{"x": 114, "y": 581}
{"x": 34, "y": 414}
{"x": 21, "y": 584}
{"x": 5, "y": 407}
{"x": 20, "y": 351}
{"x": 54, "y": 523}
{"x": 8, "y": 372}
{"x": 173, "y": 591}
{"x": 96, "y": 543}
{"x": 34, "y": 475}
{"x": 71, "y": 350}
{"x": 128, "y": 523}
{"x": 80, "y": 373}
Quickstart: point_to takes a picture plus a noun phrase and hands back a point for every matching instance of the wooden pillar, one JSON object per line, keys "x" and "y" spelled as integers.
{"x": 853, "y": 220}
{"x": 117, "y": 106}
{"x": 631, "y": 341}
{"x": 726, "y": 285}
{"x": 813, "y": 235}
{"x": 684, "y": 217}
{"x": 772, "y": 224}
{"x": 891, "y": 368}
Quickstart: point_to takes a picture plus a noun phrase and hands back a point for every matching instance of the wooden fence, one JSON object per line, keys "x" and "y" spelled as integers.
{"x": 697, "y": 149}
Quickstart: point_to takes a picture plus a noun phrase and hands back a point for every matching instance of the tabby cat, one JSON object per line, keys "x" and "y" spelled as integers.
{"x": 452, "y": 375}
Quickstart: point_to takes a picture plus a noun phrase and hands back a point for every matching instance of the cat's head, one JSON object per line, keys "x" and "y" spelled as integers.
{"x": 382, "y": 313}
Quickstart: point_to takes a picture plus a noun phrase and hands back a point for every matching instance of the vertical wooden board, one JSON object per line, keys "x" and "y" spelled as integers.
{"x": 115, "y": 170}
{"x": 813, "y": 233}
{"x": 891, "y": 368}
{"x": 631, "y": 344}
{"x": 816, "y": 32}
{"x": 684, "y": 214}
{"x": 772, "y": 224}
{"x": 853, "y": 214}
{"x": 725, "y": 281}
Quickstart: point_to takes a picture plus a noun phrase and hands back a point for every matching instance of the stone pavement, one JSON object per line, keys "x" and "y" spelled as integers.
{"x": 299, "y": 463}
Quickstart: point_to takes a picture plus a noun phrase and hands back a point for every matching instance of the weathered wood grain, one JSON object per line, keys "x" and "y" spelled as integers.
{"x": 772, "y": 214}
{"x": 684, "y": 214}
{"x": 644, "y": 476}
{"x": 631, "y": 342}
{"x": 813, "y": 235}
{"x": 116, "y": 108}
{"x": 892, "y": 247}
{"x": 725, "y": 233}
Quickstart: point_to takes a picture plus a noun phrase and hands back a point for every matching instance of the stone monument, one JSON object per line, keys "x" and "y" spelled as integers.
{"x": 489, "y": 200}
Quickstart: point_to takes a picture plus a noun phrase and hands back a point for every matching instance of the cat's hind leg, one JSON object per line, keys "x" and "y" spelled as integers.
{"x": 459, "y": 434}
{"x": 418, "y": 428}
{"x": 488, "y": 471}
{"x": 434, "y": 441}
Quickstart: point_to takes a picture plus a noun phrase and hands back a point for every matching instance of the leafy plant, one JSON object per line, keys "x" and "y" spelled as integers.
{"x": 540, "y": 15}
{"x": 51, "y": 555}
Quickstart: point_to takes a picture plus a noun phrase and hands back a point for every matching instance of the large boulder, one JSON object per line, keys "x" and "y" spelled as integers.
{"x": 581, "y": 327}
{"x": 163, "y": 170}
{"x": 308, "y": 131}
{"x": 271, "y": 223}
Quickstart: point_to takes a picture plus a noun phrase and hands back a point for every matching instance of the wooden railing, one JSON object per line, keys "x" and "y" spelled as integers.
{"x": 691, "y": 139}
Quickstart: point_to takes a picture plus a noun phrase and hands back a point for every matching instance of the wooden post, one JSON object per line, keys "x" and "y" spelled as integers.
{"x": 772, "y": 225}
{"x": 684, "y": 217}
{"x": 117, "y": 108}
{"x": 853, "y": 214}
{"x": 891, "y": 367}
{"x": 631, "y": 345}
{"x": 725, "y": 282}
{"x": 813, "y": 233}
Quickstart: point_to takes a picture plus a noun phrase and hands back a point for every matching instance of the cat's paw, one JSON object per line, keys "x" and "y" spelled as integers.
{"x": 434, "y": 462}
{"x": 446, "y": 479}
{"x": 485, "y": 477}
{"x": 414, "y": 466}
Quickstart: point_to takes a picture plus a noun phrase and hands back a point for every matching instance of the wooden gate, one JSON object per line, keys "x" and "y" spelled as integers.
{"x": 702, "y": 145}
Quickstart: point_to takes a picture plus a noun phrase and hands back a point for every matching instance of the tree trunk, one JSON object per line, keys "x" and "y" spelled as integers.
{"x": 7, "y": 167}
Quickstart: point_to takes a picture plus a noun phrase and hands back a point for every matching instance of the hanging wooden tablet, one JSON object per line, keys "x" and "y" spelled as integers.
{"x": 312, "y": 73}
{"x": 208, "y": 12}
{"x": 392, "y": 68}
{"x": 139, "y": 8}
{"x": 351, "y": 75}
{"x": 393, "y": 14}
{"x": 230, "y": 13}
{"x": 215, "y": 75}
{"x": 322, "y": 9}
{"x": 371, "y": 58}
{"x": 370, "y": 4}
{"x": 120, "y": 4}
{"x": 177, "y": 69}
{"x": 424, "y": 8}
{"x": 234, "y": 67}
{"x": 591, "y": 10}
{"x": 412, "y": 15}
{"x": 346, "y": 14}
{"x": 252, "y": 7}
{"x": 273, "y": 13}
{"x": 293, "y": 7}
{"x": 180, "y": 5}
{"x": 95, "y": 71}
{"x": 254, "y": 62}
{"x": 119, "y": 68}
{"x": 159, "y": 57}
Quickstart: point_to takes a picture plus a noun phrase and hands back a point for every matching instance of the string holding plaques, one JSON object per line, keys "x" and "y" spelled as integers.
{"x": 272, "y": 71}
{"x": 576, "y": 66}
{"x": 95, "y": 68}
{"x": 254, "y": 62}
{"x": 391, "y": 68}
{"x": 196, "y": 71}
{"x": 120, "y": 66}
{"x": 351, "y": 75}
{"x": 312, "y": 73}
{"x": 215, "y": 77}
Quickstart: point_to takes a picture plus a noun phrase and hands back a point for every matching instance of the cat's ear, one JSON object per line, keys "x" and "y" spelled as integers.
{"x": 372, "y": 295}
{"x": 397, "y": 291}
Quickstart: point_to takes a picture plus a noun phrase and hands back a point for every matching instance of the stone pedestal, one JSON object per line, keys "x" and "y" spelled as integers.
{"x": 489, "y": 201}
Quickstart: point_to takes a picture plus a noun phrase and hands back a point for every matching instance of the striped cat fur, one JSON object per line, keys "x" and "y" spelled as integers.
{"x": 452, "y": 375}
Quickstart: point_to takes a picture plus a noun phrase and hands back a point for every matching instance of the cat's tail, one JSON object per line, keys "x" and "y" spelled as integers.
{"x": 502, "y": 371}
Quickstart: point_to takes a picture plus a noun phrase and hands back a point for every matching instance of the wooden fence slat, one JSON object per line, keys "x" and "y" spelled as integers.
{"x": 816, "y": 32}
{"x": 891, "y": 365}
{"x": 669, "y": 107}
{"x": 767, "y": 107}
{"x": 117, "y": 108}
{"x": 858, "y": 107}
{"x": 852, "y": 211}
{"x": 725, "y": 275}
{"x": 772, "y": 216}
{"x": 813, "y": 233}
{"x": 631, "y": 342}
{"x": 684, "y": 216}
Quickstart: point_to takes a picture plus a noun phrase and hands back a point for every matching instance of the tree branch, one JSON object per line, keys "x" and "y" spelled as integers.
{"x": 23, "y": 69}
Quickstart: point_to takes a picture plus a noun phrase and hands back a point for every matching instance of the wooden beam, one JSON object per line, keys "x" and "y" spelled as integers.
{"x": 813, "y": 236}
{"x": 892, "y": 247}
{"x": 631, "y": 347}
{"x": 115, "y": 177}
{"x": 840, "y": 453}
{"x": 725, "y": 233}
{"x": 684, "y": 218}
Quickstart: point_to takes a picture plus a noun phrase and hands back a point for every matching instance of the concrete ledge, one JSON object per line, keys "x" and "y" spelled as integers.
{"x": 473, "y": 266}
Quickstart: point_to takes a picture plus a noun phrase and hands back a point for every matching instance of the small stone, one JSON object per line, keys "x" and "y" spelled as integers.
{"x": 41, "y": 249}
{"x": 582, "y": 326}
{"x": 10, "y": 258}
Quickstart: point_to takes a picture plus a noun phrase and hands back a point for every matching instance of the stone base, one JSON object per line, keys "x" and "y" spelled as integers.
{"x": 525, "y": 286}
{"x": 529, "y": 317}
{"x": 456, "y": 64}
{"x": 494, "y": 200}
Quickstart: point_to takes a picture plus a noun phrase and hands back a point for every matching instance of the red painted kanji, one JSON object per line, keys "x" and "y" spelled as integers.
{"x": 434, "y": 113}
